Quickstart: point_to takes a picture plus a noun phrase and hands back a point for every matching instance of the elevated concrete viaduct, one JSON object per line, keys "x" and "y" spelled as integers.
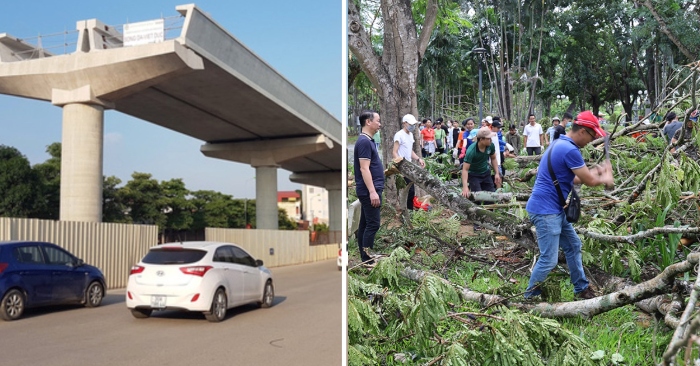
{"x": 205, "y": 84}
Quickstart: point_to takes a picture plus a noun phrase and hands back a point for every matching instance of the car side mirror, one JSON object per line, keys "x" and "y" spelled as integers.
{"x": 258, "y": 263}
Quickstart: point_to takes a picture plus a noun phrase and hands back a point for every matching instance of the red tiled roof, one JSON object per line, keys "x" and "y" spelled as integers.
{"x": 287, "y": 194}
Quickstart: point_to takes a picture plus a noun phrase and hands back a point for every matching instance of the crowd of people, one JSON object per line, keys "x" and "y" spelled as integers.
{"x": 481, "y": 151}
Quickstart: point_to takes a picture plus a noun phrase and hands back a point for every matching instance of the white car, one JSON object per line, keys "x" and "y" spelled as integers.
{"x": 198, "y": 276}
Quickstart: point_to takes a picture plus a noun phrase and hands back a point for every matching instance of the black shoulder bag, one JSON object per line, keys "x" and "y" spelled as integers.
{"x": 573, "y": 210}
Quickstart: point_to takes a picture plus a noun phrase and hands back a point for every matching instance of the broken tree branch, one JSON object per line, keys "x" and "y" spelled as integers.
{"x": 640, "y": 235}
{"x": 661, "y": 284}
{"x": 680, "y": 337}
{"x": 517, "y": 230}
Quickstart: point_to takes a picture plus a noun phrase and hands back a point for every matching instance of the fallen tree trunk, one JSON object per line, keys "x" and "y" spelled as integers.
{"x": 661, "y": 284}
{"x": 512, "y": 227}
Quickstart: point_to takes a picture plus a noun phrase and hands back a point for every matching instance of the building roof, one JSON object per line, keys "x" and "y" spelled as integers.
{"x": 286, "y": 195}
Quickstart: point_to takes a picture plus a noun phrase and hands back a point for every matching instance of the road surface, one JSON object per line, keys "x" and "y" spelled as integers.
{"x": 303, "y": 327}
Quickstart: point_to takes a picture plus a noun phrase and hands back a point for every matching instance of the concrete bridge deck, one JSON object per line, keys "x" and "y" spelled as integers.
{"x": 205, "y": 83}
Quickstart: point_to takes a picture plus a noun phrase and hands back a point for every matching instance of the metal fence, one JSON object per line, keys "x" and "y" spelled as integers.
{"x": 276, "y": 247}
{"x": 114, "y": 248}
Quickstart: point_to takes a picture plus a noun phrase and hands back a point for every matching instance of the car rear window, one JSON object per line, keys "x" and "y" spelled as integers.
{"x": 173, "y": 256}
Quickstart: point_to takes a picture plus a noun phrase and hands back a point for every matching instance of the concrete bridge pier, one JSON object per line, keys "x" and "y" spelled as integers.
{"x": 81, "y": 153}
{"x": 81, "y": 162}
{"x": 265, "y": 157}
{"x": 266, "y": 216}
{"x": 332, "y": 182}
{"x": 335, "y": 204}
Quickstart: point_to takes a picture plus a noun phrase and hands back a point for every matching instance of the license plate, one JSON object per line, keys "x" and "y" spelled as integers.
{"x": 158, "y": 301}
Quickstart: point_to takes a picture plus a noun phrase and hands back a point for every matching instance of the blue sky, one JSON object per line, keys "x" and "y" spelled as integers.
{"x": 301, "y": 39}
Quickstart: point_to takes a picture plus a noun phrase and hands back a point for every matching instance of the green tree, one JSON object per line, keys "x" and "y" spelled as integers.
{"x": 20, "y": 186}
{"x": 284, "y": 222}
{"x": 113, "y": 208}
{"x": 144, "y": 199}
{"x": 393, "y": 68}
{"x": 211, "y": 209}
{"x": 179, "y": 208}
{"x": 49, "y": 172}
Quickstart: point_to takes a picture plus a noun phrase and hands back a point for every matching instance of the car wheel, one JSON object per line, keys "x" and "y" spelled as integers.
{"x": 268, "y": 295}
{"x": 141, "y": 313}
{"x": 219, "y": 304}
{"x": 94, "y": 295}
{"x": 12, "y": 305}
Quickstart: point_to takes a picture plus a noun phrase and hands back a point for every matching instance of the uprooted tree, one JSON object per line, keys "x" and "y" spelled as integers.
{"x": 637, "y": 237}
{"x": 651, "y": 214}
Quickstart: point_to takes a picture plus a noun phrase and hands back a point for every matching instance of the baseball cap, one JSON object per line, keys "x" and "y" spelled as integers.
{"x": 588, "y": 119}
{"x": 497, "y": 123}
{"x": 410, "y": 119}
{"x": 485, "y": 132}
{"x": 488, "y": 119}
{"x": 439, "y": 120}
{"x": 556, "y": 118}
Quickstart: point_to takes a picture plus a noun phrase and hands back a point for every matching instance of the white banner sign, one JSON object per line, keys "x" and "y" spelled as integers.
{"x": 152, "y": 31}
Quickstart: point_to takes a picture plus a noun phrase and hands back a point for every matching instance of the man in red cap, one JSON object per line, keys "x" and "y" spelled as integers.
{"x": 545, "y": 210}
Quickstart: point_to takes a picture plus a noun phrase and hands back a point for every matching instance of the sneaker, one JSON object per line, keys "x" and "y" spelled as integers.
{"x": 372, "y": 254}
{"x": 585, "y": 294}
{"x": 533, "y": 299}
{"x": 369, "y": 265}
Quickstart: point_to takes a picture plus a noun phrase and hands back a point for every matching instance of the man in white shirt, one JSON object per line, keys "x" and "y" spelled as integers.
{"x": 533, "y": 137}
{"x": 403, "y": 147}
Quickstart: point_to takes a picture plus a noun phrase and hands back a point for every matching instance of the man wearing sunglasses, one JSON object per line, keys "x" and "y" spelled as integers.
{"x": 545, "y": 210}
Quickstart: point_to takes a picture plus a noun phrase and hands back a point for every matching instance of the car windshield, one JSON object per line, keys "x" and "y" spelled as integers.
{"x": 173, "y": 256}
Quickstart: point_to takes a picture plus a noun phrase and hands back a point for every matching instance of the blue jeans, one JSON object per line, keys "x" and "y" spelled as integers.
{"x": 369, "y": 225}
{"x": 554, "y": 232}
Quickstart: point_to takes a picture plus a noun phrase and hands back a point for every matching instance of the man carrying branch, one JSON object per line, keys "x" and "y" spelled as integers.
{"x": 545, "y": 210}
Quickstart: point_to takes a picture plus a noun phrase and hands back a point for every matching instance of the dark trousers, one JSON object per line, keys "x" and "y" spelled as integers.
{"x": 534, "y": 150}
{"x": 481, "y": 182}
{"x": 369, "y": 225}
{"x": 411, "y": 194}
{"x": 503, "y": 170}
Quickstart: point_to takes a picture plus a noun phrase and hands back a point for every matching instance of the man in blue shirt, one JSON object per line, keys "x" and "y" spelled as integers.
{"x": 545, "y": 210}
{"x": 369, "y": 182}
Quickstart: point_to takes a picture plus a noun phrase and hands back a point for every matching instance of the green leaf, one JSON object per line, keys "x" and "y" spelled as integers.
{"x": 598, "y": 355}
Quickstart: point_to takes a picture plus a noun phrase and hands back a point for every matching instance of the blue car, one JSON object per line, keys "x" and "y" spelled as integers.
{"x": 36, "y": 274}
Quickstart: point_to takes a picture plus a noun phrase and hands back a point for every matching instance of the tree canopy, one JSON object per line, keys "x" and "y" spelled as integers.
{"x": 34, "y": 192}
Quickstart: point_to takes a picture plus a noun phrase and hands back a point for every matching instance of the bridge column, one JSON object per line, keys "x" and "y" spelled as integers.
{"x": 265, "y": 157}
{"x": 266, "y": 216}
{"x": 81, "y": 153}
{"x": 335, "y": 205}
{"x": 332, "y": 182}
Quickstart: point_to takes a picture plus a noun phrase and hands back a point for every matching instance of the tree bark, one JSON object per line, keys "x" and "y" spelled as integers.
{"x": 394, "y": 73}
{"x": 515, "y": 229}
{"x": 636, "y": 294}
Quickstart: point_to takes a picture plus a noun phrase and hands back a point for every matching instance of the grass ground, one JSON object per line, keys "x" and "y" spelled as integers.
{"x": 623, "y": 336}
